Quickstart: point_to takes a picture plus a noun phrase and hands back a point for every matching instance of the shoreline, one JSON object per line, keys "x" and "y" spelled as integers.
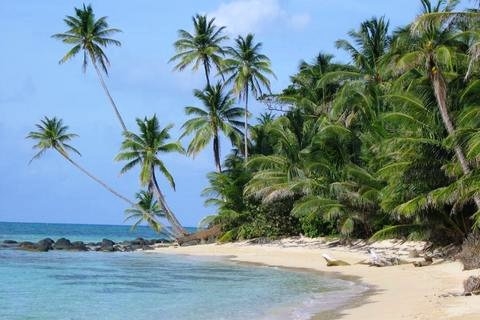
{"x": 396, "y": 292}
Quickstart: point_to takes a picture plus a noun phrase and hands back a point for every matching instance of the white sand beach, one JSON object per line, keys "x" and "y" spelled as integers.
{"x": 399, "y": 292}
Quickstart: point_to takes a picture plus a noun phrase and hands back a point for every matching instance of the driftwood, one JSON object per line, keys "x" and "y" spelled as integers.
{"x": 204, "y": 236}
{"x": 428, "y": 261}
{"x": 332, "y": 262}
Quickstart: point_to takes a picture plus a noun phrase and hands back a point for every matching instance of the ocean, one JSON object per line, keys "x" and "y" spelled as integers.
{"x": 150, "y": 286}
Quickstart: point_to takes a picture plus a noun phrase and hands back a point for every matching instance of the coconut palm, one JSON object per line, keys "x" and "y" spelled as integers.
{"x": 90, "y": 36}
{"x": 218, "y": 116}
{"x": 150, "y": 211}
{"x": 432, "y": 48}
{"x": 248, "y": 70}
{"x": 53, "y": 134}
{"x": 202, "y": 48}
{"x": 142, "y": 150}
{"x": 469, "y": 17}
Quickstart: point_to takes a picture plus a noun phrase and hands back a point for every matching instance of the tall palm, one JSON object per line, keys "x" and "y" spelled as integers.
{"x": 431, "y": 49}
{"x": 90, "y": 36}
{"x": 142, "y": 150}
{"x": 53, "y": 134}
{"x": 249, "y": 70}
{"x": 146, "y": 210}
{"x": 202, "y": 48}
{"x": 218, "y": 116}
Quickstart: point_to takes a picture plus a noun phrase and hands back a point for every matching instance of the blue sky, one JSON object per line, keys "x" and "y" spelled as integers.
{"x": 34, "y": 85}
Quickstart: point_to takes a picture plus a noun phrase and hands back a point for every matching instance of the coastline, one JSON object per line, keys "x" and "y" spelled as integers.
{"x": 398, "y": 292}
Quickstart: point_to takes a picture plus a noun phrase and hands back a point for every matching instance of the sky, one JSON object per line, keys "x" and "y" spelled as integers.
{"x": 142, "y": 81}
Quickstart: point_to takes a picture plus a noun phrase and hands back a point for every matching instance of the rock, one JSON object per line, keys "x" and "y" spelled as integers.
{"x": 62, "y": 244}
{"x": 138, "y": 242}
{"x": 45, "y": 244}
{"x": 106, "y": 248}
{"x": 27, "y": 245}
{"x": 79, "y": 246}
{"x": 107, "y": 243}
{"x": 10, "y": 242}
{"x": 471, "y": 285}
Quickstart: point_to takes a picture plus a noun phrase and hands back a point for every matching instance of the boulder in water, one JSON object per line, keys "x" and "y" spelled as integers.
{"x": 62, "y": 244}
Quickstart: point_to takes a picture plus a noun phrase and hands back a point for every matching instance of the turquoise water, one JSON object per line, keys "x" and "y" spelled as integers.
{"x": 149, "y": 286}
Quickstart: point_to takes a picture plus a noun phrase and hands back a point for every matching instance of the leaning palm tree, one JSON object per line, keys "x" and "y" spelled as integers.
{"x": 202, "y": 48}
{"x": 218, "y": 115}
{"x": 248, "y": 70}
{"x": 146, "y": 210}
{"x": 431, "y": 49}
{"x": 90, "y": 36}
{"x": 53, "y": 134}
{"x": 142, "y": 150}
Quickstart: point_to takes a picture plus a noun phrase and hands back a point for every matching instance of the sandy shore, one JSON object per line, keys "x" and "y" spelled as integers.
{"x": 399, "y": 292}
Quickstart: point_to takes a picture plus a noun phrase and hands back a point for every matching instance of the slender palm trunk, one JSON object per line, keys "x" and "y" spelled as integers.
{"x": 177, "y": 227}
{"x": 103, "y": 184}
{"x": 440, "y": 90}
{"x": 105, "y": 88}
{"x": 216, "y": 152}
{"x": 205, "y": 67}
{"x": 245, "y": 138}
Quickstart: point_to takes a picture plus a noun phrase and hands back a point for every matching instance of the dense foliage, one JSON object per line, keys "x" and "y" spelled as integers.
{"x": 386, "y": 145}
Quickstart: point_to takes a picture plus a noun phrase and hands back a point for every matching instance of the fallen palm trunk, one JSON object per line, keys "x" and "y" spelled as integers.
{"x": 208, "y": 236}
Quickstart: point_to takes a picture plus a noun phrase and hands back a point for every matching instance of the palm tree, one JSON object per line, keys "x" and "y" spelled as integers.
{"x": 53, "y": 134}
{"x": 149, "y": 212}
{"x": 248, "y": 70}
{"x": 142, "y": 150}
{"x": 431, "y": 49}
{"x": 90, "y": 36}
{"x": 203, "y": 47}
{"x": 218, "y": 115}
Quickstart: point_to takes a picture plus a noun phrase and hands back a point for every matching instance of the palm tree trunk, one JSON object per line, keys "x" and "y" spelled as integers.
{"x": 206, "y": 74}
{"x": 105, "y": 88}
{"x": 245, "y": 138}
{"x": 216, "y": 152}
{"x": 440, "y": 90}
{"x": 103, "y": 184}
{"x": 177, "y": 227}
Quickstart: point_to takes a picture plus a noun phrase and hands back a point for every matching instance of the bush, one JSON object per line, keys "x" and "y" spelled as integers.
{"x": 228, "y": 236}
{"x": 313, "y": 226}
{"x": 470, "y": 254}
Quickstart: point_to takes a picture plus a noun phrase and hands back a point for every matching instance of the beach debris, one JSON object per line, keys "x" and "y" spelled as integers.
{"x": 377, "y": 260}
{"x": 471, "y": 286}
{"x": 427, "y": 261}
{"x": 470, "y": 254}
{"x": 332, "y": 262}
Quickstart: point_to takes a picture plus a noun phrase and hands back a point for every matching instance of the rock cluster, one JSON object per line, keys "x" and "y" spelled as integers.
{"x": 106, "y": 245}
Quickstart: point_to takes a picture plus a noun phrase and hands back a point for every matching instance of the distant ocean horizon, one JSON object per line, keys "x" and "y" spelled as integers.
{"x": 59, "y": 285}
{"x": 35, "y": 231}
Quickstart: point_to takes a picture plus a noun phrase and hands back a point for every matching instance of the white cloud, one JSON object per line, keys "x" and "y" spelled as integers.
{"x": 244, "y": 16}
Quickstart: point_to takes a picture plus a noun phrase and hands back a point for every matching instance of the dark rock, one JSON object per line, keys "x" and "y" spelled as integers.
{"x": 471, "y": 285}
{"x": 107, "y": 243}
{"x": 79, "y": 246}
{"x": 27, "y": 245}
{"x": 138, "y": 241}
{"x": 10, "y": 242}
{"x": 62, "y": 244}
{"x": 46, "y": 244}
{"x": 106, "y": 248}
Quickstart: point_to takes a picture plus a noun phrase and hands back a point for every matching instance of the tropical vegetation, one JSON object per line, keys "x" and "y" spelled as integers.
{"x": 386, "y": 145}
